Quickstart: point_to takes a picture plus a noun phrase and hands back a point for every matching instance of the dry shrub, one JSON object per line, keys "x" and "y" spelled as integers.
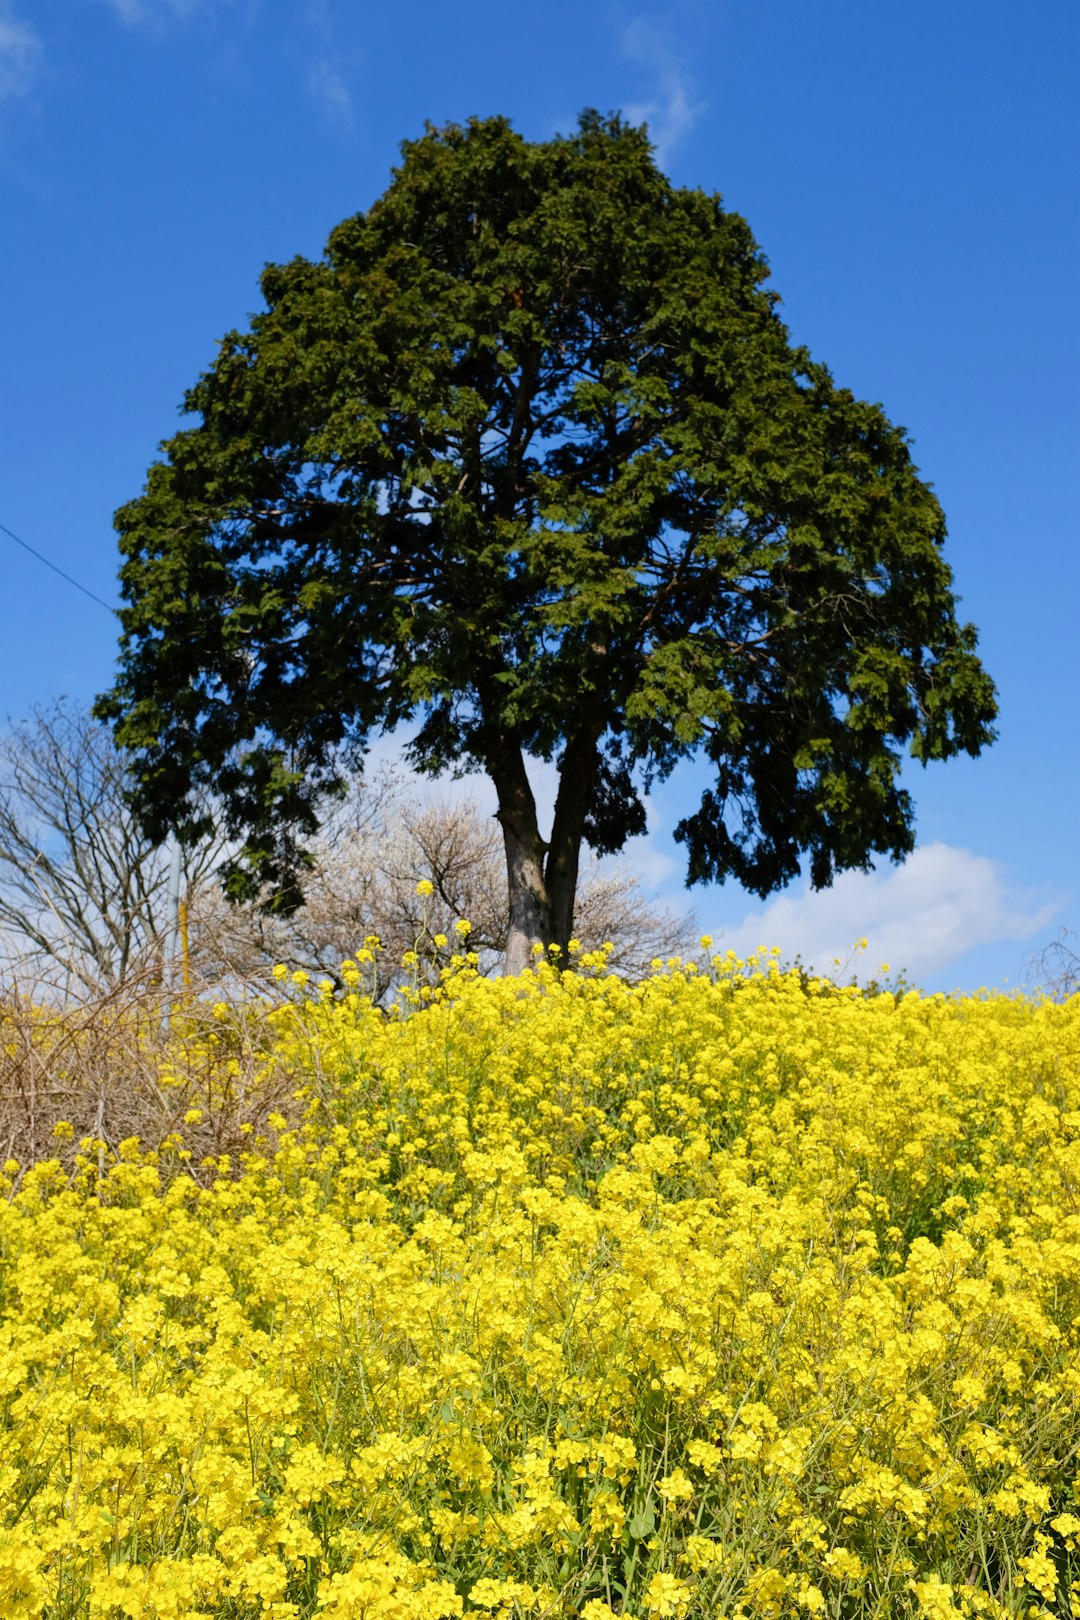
{"x": 88, "y": 1074}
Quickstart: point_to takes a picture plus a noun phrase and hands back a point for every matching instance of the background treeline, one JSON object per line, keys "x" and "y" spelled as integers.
{"x": 86, "y": 899}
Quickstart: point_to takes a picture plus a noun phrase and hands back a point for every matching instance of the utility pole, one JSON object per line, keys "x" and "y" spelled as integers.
{"x": 173, "y": 937}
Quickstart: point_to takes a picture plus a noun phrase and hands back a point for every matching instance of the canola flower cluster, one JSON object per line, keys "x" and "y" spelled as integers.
{"x": 728, "y": 1293}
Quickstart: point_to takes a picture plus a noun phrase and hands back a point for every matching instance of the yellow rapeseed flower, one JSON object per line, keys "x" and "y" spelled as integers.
{"x": 750, "y": 1293}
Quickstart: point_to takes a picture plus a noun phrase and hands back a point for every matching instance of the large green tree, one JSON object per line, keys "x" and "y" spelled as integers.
{"x": 528, "y": 460}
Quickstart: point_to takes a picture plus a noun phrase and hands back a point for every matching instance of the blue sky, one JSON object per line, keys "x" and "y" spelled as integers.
{"x": 910, "y": 170}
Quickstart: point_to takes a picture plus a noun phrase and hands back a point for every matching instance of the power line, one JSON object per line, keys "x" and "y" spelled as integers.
{"x": 41, "y": 558}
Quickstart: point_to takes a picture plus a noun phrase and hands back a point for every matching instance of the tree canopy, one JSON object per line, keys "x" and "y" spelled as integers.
{"x": 528, "y": 460}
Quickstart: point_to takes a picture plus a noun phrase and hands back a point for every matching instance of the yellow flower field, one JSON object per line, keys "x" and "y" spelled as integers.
{"x": 725, "y": 1294}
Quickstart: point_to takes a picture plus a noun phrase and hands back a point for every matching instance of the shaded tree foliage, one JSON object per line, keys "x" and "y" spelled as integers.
{"x": 528, "y": 460}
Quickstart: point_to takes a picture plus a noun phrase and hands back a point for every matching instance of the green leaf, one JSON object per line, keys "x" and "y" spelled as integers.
{"x": 528, "y": 460}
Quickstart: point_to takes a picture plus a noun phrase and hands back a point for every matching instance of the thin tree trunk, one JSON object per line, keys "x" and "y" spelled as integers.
{"x": 576, "y": 782}
{"x": 530, "y": 908}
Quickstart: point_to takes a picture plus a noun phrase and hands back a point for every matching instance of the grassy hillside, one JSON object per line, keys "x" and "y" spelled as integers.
{"x": 726, "y": 1294}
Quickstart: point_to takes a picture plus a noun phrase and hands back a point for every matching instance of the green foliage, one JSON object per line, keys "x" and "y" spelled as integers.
{"x": 528, "y": 459}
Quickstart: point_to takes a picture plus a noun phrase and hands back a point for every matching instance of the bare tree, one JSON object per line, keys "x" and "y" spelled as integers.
{"x": 1058, "y": 966}
{"x": 613, "y": 910}
{"x": 369, "y": 860}
{"x": 81, "y": 887}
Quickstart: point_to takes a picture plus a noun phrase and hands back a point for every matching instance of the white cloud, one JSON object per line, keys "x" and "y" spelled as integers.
{"x": 325, "y": 82}
{"x": 672, "y": 111}
{"x": 152, "y": 13}
{"x": 20, "y": 50}
{"x": 918, "y": 917}
{"x": 330, "y": 91}
{"x": 653, "y": 867}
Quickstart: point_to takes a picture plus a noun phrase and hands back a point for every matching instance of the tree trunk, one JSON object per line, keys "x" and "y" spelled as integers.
{"x": 542, "y": 879}
{"x": 576, "y": 782}
{"x": 530, "y": 908}
{"x": 530, "y": 911}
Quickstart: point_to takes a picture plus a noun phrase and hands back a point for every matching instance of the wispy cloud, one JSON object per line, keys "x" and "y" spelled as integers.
{"x": 331, "y": 93}
{"x": 918, "y": 917}
{"x": 153, "y": 13}
{"x": 20, "y": 53}
{"x": 325, "y": 81}
{"x": 672, "y": 110}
